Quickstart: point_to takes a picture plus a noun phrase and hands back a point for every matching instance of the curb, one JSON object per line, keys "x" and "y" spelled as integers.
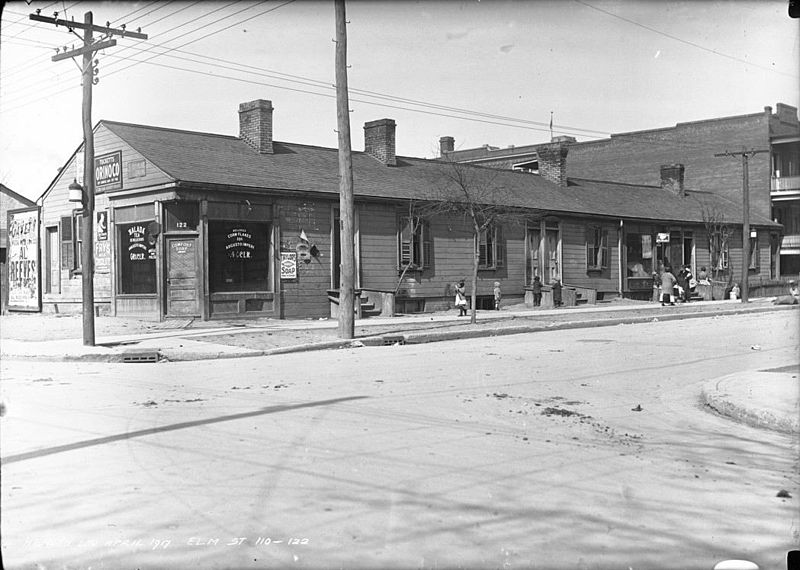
{"x": 758, "y": 419}
{"x": 169, "y": 355}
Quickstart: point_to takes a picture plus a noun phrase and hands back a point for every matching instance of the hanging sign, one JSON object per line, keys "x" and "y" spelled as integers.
{"x": 108, "y": 171}
{"x": 240, "y": 244}
{"x": 288, "y": 265}
{"x": 662, "y": 237}
{"x": 23, "y": 260}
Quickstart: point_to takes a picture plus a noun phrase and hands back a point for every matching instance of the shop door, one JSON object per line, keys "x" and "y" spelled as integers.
{"x": 182, "y": 291}
{"x": 532, "y": 265}
{"x": 53, "y": 283}
{"x": 551, "y": 246}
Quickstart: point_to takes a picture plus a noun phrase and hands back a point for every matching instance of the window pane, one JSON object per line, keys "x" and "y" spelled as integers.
{"x": 137, "y": 259}
{"x": 238, "y": 256}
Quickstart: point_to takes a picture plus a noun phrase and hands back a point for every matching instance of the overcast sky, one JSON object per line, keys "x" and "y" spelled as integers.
{"x": 487, "y": 72}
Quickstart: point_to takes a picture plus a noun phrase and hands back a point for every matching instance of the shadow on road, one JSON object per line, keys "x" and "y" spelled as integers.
{"x": 183, "y": 425}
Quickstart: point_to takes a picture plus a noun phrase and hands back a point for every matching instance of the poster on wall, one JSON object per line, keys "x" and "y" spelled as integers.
{"x": 288, "y": 265}
{"x": 24, "y": 292}
{"x": 102, "y": 256}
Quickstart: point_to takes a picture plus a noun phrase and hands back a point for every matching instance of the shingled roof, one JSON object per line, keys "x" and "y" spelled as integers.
{"x": 226, "y": 161}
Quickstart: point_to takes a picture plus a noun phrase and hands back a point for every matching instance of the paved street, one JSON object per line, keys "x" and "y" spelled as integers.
{"x": 584, "y": 448}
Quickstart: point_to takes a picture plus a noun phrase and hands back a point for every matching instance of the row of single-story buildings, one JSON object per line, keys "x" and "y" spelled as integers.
{"x": 191, "y": 224}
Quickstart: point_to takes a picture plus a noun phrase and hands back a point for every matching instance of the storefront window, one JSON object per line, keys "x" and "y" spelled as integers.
{"x": 137, "y": 255}
{"x": 639, "y": 248}
{"x": 238, "y": 256}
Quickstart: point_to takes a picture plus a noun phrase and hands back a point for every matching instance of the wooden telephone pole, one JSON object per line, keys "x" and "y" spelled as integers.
{"x": 346, "y": 207}
{"x": 745, "y": 154}
{"x": 88, "y": 72}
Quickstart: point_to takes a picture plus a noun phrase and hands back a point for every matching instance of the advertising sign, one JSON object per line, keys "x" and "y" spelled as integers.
{"x": 288, "y": 264}
{"x": 662, "y": 237}
{"x": 240, "y": 244}
{"x": 101, "y": 225}
{"x": 108, "y": 171}
{"x": 23, "y": 260}
{"x": 102, "y": 256}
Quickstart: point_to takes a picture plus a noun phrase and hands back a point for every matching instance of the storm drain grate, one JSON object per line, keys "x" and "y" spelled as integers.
{"x": 140, "y": 356}
{"x": 393, "y": 339}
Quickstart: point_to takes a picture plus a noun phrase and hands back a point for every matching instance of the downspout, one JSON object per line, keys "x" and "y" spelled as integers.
{"x": 619, "y": 257}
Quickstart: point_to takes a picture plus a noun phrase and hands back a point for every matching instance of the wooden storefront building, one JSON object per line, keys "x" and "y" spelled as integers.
{"x": 191, "y": 224}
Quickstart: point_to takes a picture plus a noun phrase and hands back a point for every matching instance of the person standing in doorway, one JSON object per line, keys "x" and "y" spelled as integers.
{"x": 668, "y": 282}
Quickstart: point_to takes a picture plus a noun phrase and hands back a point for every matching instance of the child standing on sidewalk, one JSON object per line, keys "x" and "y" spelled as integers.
{"x": 537, "y": 291}
{"x": 497, "y": 295}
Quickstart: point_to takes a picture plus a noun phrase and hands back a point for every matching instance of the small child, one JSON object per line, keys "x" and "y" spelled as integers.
{"x": 497, "y": 295}
{"x": 537, "y": 291}
{"x": 556, "y": 293}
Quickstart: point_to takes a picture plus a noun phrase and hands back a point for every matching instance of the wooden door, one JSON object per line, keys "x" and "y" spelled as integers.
{"x": 182, "y": 287}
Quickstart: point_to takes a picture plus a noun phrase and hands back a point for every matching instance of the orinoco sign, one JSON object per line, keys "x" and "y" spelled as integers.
{"x": 108, "y": 171}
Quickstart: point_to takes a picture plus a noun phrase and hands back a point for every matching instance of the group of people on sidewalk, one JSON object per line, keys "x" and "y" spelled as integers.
{"x": 681, "y": 287}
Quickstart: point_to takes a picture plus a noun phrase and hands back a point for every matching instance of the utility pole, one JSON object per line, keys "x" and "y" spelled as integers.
{"x": 745, "y": 154}
{"x": 88, "y": 72}
{"x": 346, "y": 207}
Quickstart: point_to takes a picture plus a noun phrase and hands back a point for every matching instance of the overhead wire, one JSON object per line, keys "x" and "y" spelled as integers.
{"x": 438, "y": 110}
{"x": 34, "y": 86}
{"x": 687, "y": 42}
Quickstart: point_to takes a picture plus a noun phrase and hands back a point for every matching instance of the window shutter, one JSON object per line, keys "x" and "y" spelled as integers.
{"x": 404, "y": 238}
{"x": 501, "y": 247}
{"x": 67, "y": 250}
{"x": 604, "y": 250}
{"x": 427, "y": 245}
{"x": 482, "y": 250}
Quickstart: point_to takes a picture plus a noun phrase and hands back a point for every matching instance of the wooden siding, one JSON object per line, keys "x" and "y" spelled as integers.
{"x": 306, "y": 296}
{"x": 55, "y": 205}
{"x": 574, "y": 270}
{"x": 451, "y": 259}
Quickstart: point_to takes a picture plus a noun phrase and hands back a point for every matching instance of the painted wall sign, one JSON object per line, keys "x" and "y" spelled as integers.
{"x": 108, "y": 171}
{"x": 23, "y": 260}
{"x": 137, "y": 168}
{"x": 288, "y": 265}
{"x": 240, "y": 244}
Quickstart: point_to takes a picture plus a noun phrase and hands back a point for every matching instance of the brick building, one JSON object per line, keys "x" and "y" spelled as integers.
{"x": 635, "y": 157}
{"x": 192, "y": 224}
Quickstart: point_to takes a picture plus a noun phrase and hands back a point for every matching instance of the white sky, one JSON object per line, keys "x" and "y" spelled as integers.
{"x": 599, "y": 66}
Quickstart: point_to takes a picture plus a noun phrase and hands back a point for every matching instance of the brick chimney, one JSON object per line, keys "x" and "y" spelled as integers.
{"x": 446, "y": 144}
{"x": 379, "y": 140}
{"x": 553, "y": 162}
{"x": 672, "y": 178}
{"x": 255, "y": 125}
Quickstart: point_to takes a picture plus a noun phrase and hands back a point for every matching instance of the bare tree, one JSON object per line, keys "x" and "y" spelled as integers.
{"x": 477, "y": 196}
{"x": 718, "y": 235}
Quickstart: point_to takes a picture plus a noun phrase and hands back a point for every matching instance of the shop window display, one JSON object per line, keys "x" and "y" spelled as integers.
{"x": 238, "y": 256}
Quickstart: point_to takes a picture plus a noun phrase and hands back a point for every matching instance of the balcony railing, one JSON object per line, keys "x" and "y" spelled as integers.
{"x": 785, "y": 183}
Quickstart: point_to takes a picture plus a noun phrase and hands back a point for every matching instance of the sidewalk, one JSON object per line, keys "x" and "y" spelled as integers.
{"x": 767, "y": 399}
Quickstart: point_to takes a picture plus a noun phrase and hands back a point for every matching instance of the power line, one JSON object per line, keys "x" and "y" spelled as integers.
{"x": 437, "y": 109}
{"x": 687, "y": 42}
